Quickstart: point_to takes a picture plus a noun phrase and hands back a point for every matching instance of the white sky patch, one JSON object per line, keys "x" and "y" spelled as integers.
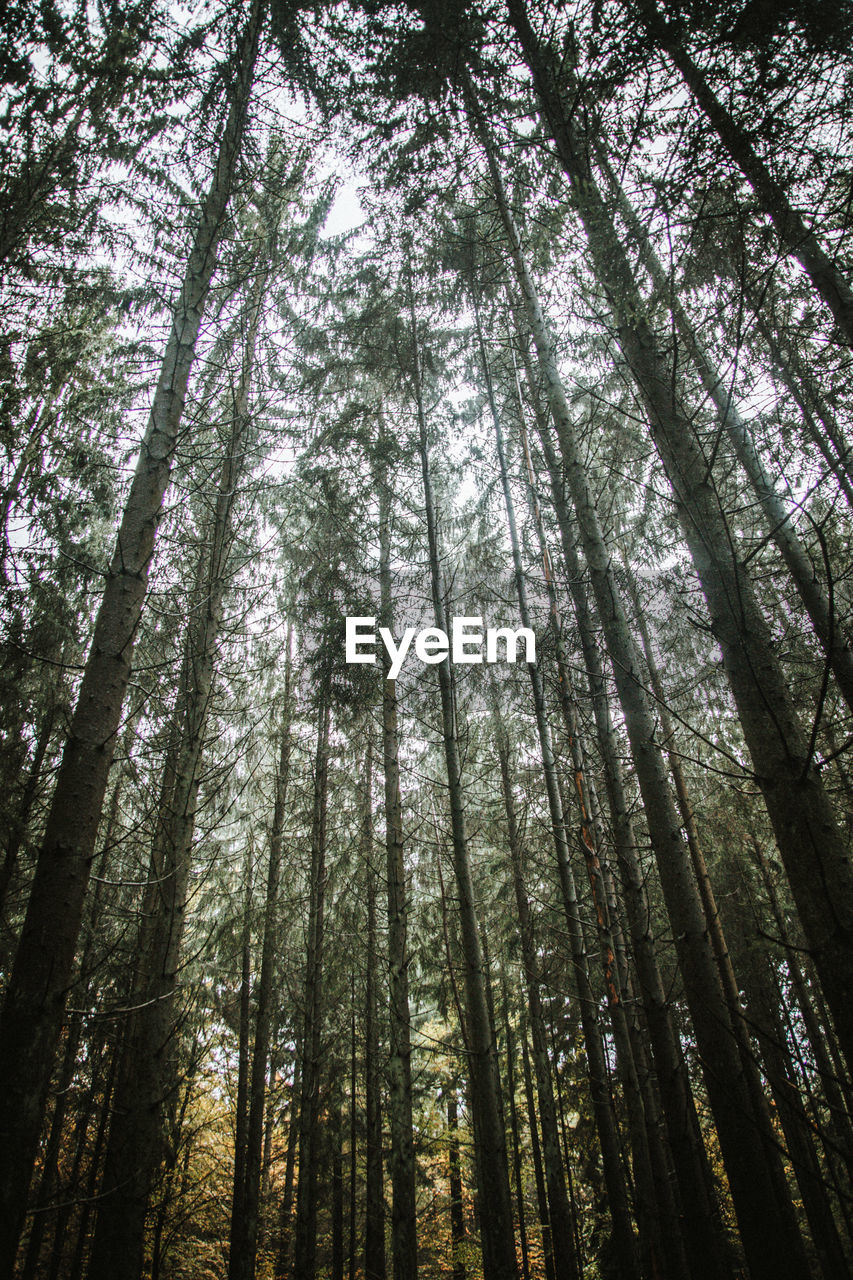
{"x": 346, "y": 213}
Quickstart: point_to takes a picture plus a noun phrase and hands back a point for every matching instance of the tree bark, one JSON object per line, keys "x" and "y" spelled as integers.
{"x": 374, "y": 1221}
{"x": 703, "y": 1237}
{"x": 305, "y": 1232}
{"x": 35, "y": 997}
{"x": 402, "y": 1158}
{"x": 558, "y": 1221}
{"x": 794, "y": 236}
{"x": 778, "y": 518}
{"x": 497, "y": 1237}
{"x": 242, "y": 1263}
{"x": 751, "y": 1187}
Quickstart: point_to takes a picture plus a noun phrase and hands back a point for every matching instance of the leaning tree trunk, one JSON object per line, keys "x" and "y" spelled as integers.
{"x": 404, "y": 1243}
{"x": 821, "y": 424}
{"x": 815, "y": 854}
{"x": 496, "y": 1219}
{"x": 778, "y": 517}
{"x": 143, "y": 1080}
{"x": 147, "y": 1060}
{"x": 769, "y": 1253}
{"x": 35, "y": 998}
{"x": 794, "y": 236}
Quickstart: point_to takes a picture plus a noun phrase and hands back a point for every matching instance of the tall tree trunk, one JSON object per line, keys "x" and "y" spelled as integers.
{"x": 457, "y": 1208}
{"x": 242, "y": 1261}
{"x": 353, "y": 1134}
{"x": 517, "y": 1167}
{"x": 818, "y": 605}
{"x": 498, "y": 1244}
{"x": 538, "y": 1170}
{"x": 814, "y": 852}
{"x": 558, "y": 1221}
{"x": 305, "y": 1231}
{"x": 402, "y": 1159}
{"x": 336, "y": 1136}
{"x": 146, "y": 1073}
{"x": 703, "y": 1234}
{"x": 751, "y": 1186}
{"x": 241, "y": 1109}
{"x": 282, "y": 1261}
{"x": 794, "y": 236}
{"x": 587, "y": 1003}
{"x": 374, "y": 1217}
{"x": 35, "y": 997}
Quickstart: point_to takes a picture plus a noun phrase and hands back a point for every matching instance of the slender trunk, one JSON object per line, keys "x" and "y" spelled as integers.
{"x": 374, "y": 1219}
{"x": 402, "y": 1159}
{"x": 457, "y": 1210}
{"x": 703, "y": 1234}
{"x": 559, "y": 1218}
{"x": 336, "y": 1135}
{"x": 794, "y": 236}
{"x": 353, "y": 1131}
{"x": 35, "y": 998}
{"x": 282, "y": 1263}
{"x": 538, "y": 1171}
{"x": 814, "y": 852}
{"x": 819, "y": 420}
{"x": 305, "y": 1232}
{"x": 241, "y": 1122}
{"x": 596, "y": 1063}
{"x": 499, "y": 1262}
{"x": 75, "y": 1267}
{"x": 818, "y": 605}
{"x": 769, "y": 1256}
{"x": 242, "y": 1264}
{"x": 516, "y": 1142}
{"x": 819, "y": 1036}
